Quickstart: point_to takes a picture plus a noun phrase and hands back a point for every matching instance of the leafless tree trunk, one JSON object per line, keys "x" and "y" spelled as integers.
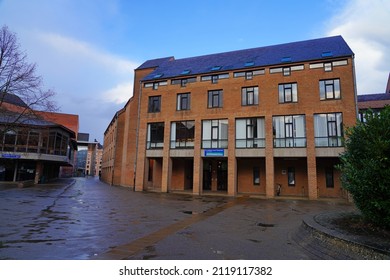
{"x": 18, "y": 78}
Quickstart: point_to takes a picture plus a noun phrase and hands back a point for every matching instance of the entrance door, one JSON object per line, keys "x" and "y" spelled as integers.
{"x": 215, "y": 174}
{"x": 207, "y": 174}
{"x": 222, "y": 175}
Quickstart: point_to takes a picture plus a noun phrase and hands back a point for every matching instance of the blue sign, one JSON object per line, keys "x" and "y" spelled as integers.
{"x": 10, "y": 156}
{"x": 214, "y": 153}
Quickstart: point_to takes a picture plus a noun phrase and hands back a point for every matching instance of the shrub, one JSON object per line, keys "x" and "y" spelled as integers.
{"x": 365, "y": 166}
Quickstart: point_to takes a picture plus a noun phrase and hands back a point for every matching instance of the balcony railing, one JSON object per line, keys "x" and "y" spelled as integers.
{"x": 297, "y": 142}
{"x": 212, "y": 144}
{"x": 186, "y": 144}
{"x": 250, "y": 143}
{"x": 154, "y": 145}
{"x": 333, "y": 141}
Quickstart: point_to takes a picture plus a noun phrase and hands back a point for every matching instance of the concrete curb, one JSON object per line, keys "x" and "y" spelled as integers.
{"x": 352, "y": 246}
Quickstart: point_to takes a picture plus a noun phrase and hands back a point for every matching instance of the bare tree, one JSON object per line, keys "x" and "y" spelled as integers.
{"x": 19, "y": 82}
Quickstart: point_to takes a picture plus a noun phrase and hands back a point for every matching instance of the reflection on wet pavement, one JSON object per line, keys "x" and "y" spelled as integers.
{"x": 91, "y": 220}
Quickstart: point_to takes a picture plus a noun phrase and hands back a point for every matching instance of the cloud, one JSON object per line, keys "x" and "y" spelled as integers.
{"x": 364, "y": 25}
{"x": 119, "y": 94}
{"x": 69, "y": 46}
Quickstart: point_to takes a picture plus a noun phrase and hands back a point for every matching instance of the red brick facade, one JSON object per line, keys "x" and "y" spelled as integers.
{"x": 306, "y": 169}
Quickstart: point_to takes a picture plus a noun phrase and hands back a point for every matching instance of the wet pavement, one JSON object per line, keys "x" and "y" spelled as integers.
{"x": 88, "y": 219}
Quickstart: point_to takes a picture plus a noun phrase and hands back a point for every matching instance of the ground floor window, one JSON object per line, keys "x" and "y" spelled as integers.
{"x": 329, "y": 177}
{"x": 291, "y": 176}
{"x": 256, "y": 175}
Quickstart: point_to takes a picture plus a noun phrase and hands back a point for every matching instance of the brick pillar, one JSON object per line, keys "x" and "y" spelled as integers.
{"x": 38, "y": 172}
{"x": 166, "y": 173}
{"x": 167, "y": 161}
{"x": 232, "y": 162}
{"x": 269, "y": 158}
{"x": 198, "y": 162}
{"x": 311, "y": 159}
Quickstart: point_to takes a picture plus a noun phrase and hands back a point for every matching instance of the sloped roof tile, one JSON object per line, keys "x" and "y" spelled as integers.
{"x": 263, "y": 56}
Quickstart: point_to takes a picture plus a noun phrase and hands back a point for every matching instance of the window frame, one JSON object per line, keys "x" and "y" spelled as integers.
{"x": 215, "y": 131}
{"x": 291, "y": 178}
{"x": 152, "y": 130}
{"x": 329, "y": 177}
{"x": 211, "y": 99}
{"x": 286, "y": 89}
{"x": 289, "y": 129}
{"x": 152, "y": 106}
{"x": 186, "y": 142}
{"x": 247, "y": 92}
{"x": 179, "y": 101}
{"x": 334, "y": 85}
{"x": 334, "y": 130}
{"x": 256, "y": 175}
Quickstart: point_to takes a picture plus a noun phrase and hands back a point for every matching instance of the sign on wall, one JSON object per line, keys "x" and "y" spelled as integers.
{"x": 214, "y": 152}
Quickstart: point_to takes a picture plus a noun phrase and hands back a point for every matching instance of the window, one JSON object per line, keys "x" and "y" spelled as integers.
{"x": 328, "y": 66}
{"x": 215, "y": 98}
{"x": 9, "y": 141}
{"x": 154, "y": 104}
{"x": 330, "y": 89}
{"x": 214, "y": 134}
{"x": 150, "y": 170}
{"x": 155, "y": 136}
{"x": 183, "y": 101}
{"x": 183, "y": 82}
{"x": 289, "y": 131}
{"x": 249, "y": 96}
{"x": 286, "y": 71}
{"x": 329, "y": 177}
{"x": 214, "y": 78}
{"x": 328, "y": 130}
{"x": 21, "y": 141}
{"x": 288, "y": 93}
{"x": 250, "y": 133}
{"x": 182, "y": 134}
{"x": 33, "y": 142}
{"x": 249, "y": 74}
{"x": 256, "y": 175}
{"x": 291, "y": 176}
{"x": 155, "y": 85}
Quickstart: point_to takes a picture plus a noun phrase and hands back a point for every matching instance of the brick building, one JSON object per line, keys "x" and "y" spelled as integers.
{"x": 375, "y": 101}
{"x": 265, "y": 121}
{"x": 34, "y": 146}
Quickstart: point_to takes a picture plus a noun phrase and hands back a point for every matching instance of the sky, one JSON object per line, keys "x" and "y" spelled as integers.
{"x": 87, "y": 50}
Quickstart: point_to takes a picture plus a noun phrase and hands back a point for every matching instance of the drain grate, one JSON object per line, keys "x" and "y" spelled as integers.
{"x": 265, "y": 225}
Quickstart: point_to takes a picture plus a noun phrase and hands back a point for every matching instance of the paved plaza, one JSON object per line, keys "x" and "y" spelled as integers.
{"x": 87, "y": 219}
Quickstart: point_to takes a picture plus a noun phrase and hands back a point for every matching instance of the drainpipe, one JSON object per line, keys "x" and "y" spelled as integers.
{"x": 355, "y": 86}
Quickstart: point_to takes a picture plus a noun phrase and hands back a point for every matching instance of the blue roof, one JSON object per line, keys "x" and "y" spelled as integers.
{"x": 373, "y": 97}
{"x": 154, "y": 62}
{"x": 316, "y": 49}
